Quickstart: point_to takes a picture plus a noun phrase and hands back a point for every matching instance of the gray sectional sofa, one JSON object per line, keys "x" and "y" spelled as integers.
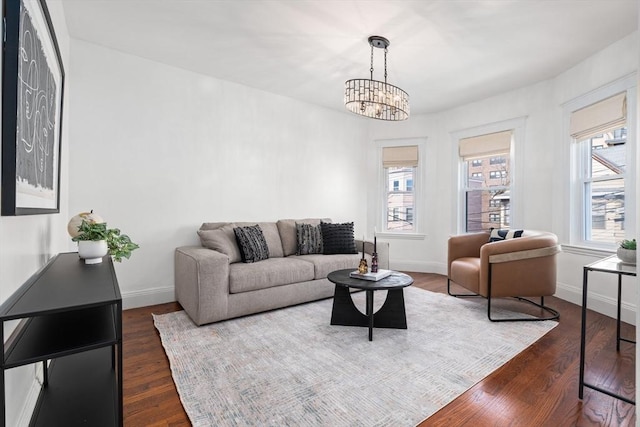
{"x": 213, "y": 284}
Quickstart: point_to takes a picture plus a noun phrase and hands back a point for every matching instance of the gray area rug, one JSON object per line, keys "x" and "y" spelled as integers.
{"x": 290, "y": 367}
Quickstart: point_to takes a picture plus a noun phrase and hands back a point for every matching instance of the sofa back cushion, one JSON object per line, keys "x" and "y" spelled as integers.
{"x": 288, "y": 234}
{"x": 271, "y": 235}
{"x": 338, "y": 238}
{"x": 269, "y": 230}
{"x": 221, "y": 239}
{"x": 252, "y": 244}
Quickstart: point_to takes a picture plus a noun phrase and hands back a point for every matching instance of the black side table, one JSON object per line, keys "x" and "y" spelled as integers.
{"x": 392, "y": 313}
{"x": 611, "y": 265}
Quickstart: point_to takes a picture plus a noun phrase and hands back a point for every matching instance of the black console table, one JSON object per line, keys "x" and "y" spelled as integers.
{"x": 71, "y": 314}
{"x": 612, "y": 265}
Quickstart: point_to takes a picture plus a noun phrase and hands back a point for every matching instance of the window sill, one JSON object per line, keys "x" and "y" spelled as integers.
{"x": 584, "y": 250}
{"x": 402, "y": 236}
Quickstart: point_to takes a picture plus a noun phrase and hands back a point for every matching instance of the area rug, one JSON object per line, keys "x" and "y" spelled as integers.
{"x": 290, "y": 367}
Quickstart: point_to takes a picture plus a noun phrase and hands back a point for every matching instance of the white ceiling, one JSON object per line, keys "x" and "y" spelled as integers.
{"x": 443, "y": 53}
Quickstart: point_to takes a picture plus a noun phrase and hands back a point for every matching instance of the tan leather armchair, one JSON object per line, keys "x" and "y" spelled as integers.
{"x": 520, "y": 267}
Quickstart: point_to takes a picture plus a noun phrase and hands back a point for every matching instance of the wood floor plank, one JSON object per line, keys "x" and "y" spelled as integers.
{"x": 538, "y": 387}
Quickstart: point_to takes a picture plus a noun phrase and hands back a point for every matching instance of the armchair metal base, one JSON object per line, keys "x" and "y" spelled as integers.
{"x": 553, "y": 314}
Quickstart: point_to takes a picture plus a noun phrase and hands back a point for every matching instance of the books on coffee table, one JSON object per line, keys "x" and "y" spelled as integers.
{"x": 381, "y": 274}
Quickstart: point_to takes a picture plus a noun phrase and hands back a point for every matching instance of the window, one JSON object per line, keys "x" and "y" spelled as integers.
{"x": 476, "y": 162}
{"x": 400, "y": 166}
{"x": 602, "y": 180}
{"x": 409, "y": 214}
{"x": 409, "y": 184}
{"x": 603, "y": 189}
{"x": 486, "y": 203}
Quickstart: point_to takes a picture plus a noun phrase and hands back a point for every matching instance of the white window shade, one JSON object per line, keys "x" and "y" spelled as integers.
{"x": 485, "y": 145}
{"x": 600, "y": 117}
{"x": 397, "y": 157}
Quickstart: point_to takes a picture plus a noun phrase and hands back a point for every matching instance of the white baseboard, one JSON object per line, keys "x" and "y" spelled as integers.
{"x": 418, "y": 266}
{"x": 597, "y": 302}
{"x": 148, "y": 297}
{"x": 29, "y": 403}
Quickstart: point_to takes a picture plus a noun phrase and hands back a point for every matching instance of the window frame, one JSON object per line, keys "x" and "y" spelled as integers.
{"x": 516, "y": 212}
{"x": 398, "y": 212}
{"x": 418, "y": 190}
{"x": 577, "y": 155}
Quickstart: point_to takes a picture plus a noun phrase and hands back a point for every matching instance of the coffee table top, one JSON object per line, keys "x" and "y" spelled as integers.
{"x": 395, "y": 280}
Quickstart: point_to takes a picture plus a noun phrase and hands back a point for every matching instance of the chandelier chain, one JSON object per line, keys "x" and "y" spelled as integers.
{"x": 385, "y": 64}
{"x": 371, "y": 69}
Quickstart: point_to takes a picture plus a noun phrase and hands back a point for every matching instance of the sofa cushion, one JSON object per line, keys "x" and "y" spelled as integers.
{"x": 223, "y": 240}
{"x": 309, "y": 239}
{"x": 288, "y": 236}
{"x": 271, "y": 235}
{"x": 325, "y": 264}
{"x": 253, "y": 246}
{"x": 338, "y": 238}
{"x": 268, "y": 273}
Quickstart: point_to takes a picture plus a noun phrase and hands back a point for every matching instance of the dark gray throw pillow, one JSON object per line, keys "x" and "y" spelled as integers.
{"x": 309, "y": 239}
{"x": 338, "y": 238}
{"x": 252, "y": 244}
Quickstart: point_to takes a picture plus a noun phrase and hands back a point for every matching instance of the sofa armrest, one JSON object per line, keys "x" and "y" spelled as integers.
{"x": 381, "y": 247}
{"x": 202, "y": 283}
{"x": 513, "y": 261}
{"x": 517, "y": 245}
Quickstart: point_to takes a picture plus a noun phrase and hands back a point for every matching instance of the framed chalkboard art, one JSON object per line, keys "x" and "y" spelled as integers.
{"x": 32, "y": 90}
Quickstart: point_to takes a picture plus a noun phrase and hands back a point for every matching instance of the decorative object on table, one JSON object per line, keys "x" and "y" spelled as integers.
{"x": 32, "y": 90}
{"x": 627, "y": 251}
{"x": 373, "y": 98}
{"x": 363, "y": 268}
{"x": 76, "y": 221}
{"x": 371, "y": 276}
{"x": 374, "y": 255}
{"x": 95, "y": 240}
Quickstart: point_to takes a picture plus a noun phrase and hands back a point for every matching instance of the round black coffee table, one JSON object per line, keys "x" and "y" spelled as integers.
{"x": 392, "y": 313}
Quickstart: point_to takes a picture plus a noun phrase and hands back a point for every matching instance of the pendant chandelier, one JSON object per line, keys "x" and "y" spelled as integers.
{"x": 373, "y": 98}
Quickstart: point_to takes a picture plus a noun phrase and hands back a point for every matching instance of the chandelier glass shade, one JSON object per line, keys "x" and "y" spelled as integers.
{"x": 373, "y": 98}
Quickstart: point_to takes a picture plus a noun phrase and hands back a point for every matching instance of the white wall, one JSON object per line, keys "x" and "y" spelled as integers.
{"x": 28, "y": 242}
{"x": 157, "y": 150}
{"x": 540, "y": 172}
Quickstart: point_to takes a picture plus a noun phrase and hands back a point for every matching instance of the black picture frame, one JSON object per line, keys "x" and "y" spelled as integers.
{"x": 32, "y": 99}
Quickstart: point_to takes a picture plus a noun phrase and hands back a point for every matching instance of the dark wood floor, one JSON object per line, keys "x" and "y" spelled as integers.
{"x": 539, "y": 387}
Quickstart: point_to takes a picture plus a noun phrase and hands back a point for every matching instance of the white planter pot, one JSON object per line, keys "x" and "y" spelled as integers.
{"x": 92, "y": 251}
{"x": 627, "y": 255}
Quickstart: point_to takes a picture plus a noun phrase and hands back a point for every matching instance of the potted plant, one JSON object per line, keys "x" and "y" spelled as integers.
{"x": 95, "y": 240}
{"x": 627, "y": 251}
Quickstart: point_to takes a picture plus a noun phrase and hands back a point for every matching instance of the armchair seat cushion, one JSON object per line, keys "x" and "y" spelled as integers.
{"x": 467, "y": 270}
